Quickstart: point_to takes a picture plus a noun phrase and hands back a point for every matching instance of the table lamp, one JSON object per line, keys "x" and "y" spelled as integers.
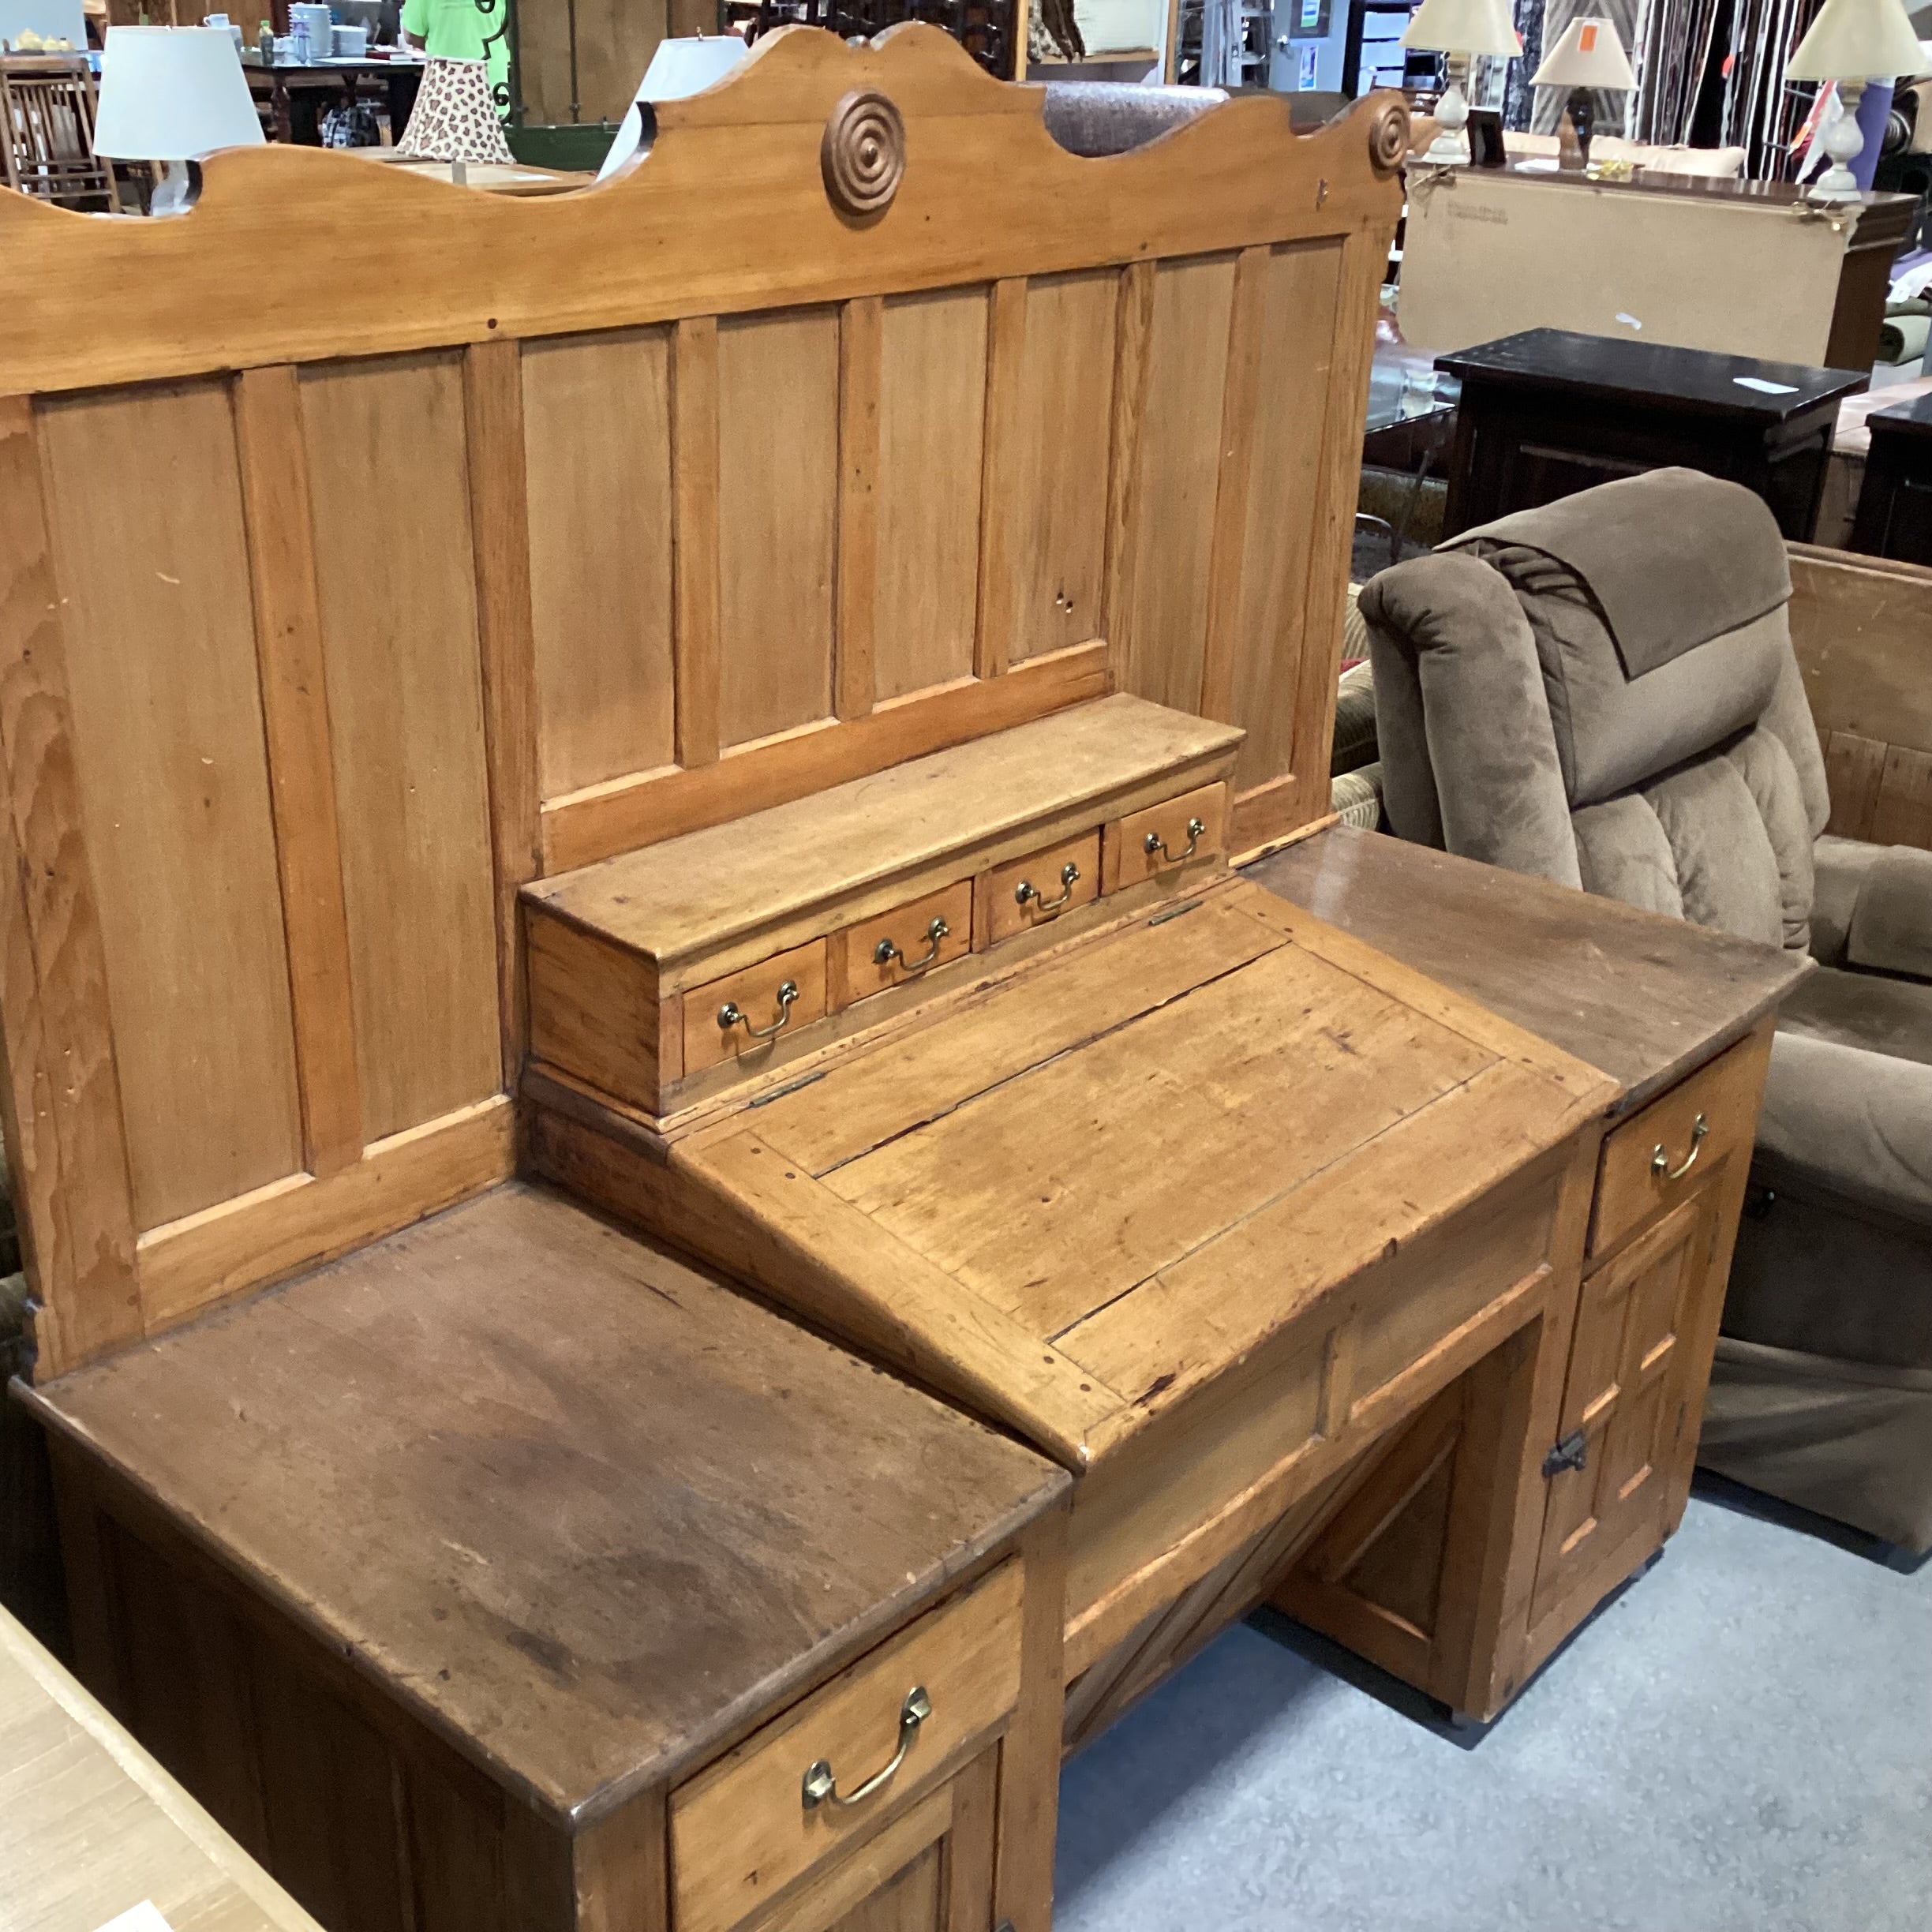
{"x": 1852, "y": 41}
{"x": 455, "y": 117}
{"x": 1588, "y": 58}
{"x": 686, "y": 66}
{"x": 172, "y": 95}
{"x": 1460, "y": 29}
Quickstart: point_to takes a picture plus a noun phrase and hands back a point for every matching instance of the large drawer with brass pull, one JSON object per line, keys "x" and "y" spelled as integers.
{"x": 1658, "y": 1156}
{"x": 846, "y": 1761}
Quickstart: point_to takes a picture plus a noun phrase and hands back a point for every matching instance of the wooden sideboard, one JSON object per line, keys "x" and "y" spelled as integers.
{"x": 512, "y": 1575}
{"x": 1682, "y": 1016}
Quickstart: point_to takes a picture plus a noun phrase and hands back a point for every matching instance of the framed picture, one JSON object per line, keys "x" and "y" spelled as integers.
{"x": 1485, "y": 137}
{"x": 1307, "y": 19}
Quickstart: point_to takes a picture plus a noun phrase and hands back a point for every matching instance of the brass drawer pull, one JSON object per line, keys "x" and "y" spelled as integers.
{"x": 820, "y": 1787}
{"x": 729, "y": 1016}
{"x": 885, "y": 953}
{"x": 1026, "y": 890}
{"x": 1154, "y": 843}
{"x": 1659, "y": 1161}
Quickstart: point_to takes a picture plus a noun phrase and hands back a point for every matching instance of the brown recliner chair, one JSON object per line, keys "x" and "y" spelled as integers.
{"x": 1602, "y": 692}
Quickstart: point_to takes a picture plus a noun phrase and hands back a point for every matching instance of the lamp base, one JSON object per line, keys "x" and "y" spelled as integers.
{"x": 1843, "y": 140}
{"x": 1573, "y": 136}
{"x": 1451, "y": 146}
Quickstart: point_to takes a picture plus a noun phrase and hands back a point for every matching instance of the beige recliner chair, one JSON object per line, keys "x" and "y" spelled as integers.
{"x": 1602, "y": 692}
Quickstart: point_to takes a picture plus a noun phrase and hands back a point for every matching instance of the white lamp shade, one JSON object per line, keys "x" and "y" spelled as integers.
{"x": 1856, "y": 40}
{"x": 686, "y": 66}
{"x": 1589, "y": 55}
{"x": 1466, "y": 27}
{"x": 172, "y": 93}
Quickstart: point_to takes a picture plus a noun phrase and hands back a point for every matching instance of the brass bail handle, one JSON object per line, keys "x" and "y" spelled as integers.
{"x": 1659, "y": 1161}
{"x": 1026, "y": 890}
{"x": 820, "y": 1787}
{"x": 729, "y": 1017}
{"x": 885, "y": 953}
{"x": 1154, "y": 843}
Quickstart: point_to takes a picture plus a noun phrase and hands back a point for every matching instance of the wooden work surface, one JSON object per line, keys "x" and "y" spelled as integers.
{"x": 586, "y": 1510}
{"x": 670, "y": 901}
{"x": 1643, "y": 997}
{"x": 91, "y": 1827}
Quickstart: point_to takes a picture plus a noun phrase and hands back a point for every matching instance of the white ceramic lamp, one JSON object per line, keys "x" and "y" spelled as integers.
{"x": 172, "y": 95}
{"x": 1460, "y": 29}
{"x": 684, "y": 66}
{"x": 1852, "y": 41}
{"x": 1589, "y": 58}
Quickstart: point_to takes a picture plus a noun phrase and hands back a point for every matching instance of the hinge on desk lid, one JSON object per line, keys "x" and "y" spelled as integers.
{"x": 1571, "y": 1453}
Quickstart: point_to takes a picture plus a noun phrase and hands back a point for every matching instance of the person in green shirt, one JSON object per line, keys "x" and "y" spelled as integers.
{"x": 464, "y": 30}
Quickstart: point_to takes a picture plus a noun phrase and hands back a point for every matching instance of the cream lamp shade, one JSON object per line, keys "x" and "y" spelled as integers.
{"x": 1459, "y": 29}
{"x": 1465, "y": 27}
{"x": 686, "y": 65}
{"x": 1856, "y": 40}
{"x": 1589, "y": 55}
{"x": 1851, "y": 42}
{"x": 172, "y": 93}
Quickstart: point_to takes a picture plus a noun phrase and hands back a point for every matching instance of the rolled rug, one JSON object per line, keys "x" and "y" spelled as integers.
{"x": 1902, "y": 337}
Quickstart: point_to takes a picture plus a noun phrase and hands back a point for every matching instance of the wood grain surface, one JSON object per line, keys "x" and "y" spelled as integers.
{"x": 583, "y": 1510}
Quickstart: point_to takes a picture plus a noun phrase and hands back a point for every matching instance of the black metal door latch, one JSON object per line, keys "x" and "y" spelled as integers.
{"x": 1571, "y": 1453}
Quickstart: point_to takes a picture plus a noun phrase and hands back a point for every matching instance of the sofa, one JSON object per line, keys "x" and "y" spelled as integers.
{"x": 1602, "y": 692}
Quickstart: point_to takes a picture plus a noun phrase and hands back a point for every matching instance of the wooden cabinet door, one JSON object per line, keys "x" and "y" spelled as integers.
{"x": 1624, "y": 1406}
{"x": 930, "y": 1869}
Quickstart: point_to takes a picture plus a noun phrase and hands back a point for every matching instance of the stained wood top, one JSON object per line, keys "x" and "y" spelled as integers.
{"x": 91, "y": 1826}
{"x": 1142, "y": 1158}
{"x": 1656, "y": 375}
{"x": 585, "y": 1508}
{"x": 693, "y": 892}
{"x": 1644, "y": 997}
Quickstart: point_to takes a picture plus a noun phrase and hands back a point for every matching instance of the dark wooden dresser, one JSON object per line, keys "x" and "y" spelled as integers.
{"x": 1895, "y": 503}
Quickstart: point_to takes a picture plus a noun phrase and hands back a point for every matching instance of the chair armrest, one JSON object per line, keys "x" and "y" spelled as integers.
{"x": 1891, "y": 926}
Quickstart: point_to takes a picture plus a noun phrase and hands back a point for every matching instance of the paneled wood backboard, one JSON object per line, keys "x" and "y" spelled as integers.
{"x": 368, "y": 547}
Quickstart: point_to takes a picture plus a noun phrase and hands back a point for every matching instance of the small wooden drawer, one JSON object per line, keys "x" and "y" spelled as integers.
{"x": 921, "y": 934}
{"x": 1163, "y": 837}
{"x": 1656, "y": 1158}
{"x": 741, "y": 1831}
{"x": 1001, "y": 908}
{"x": 756, "y": 994}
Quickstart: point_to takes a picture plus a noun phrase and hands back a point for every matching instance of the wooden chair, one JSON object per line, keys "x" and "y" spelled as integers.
{"x": 46, "y": 104}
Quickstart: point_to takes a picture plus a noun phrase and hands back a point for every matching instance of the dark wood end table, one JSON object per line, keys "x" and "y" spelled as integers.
{"x": 1549, "y": 412}
{"x": 1895, "y": 504}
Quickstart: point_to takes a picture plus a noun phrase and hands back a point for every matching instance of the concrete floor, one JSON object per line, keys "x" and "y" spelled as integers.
{"x": 1741, "y": 1741}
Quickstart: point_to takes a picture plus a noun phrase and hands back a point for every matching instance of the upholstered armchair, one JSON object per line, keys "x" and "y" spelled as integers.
{"x": 1602, "y": 692}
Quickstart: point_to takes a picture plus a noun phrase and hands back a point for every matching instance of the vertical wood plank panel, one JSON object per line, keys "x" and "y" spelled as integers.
{"x": 596, "y": 427}
{"x": 1854, "y": 769}
{"x": 288, "y": 648}
{"x": 860, "y": 325}
{"x": 932, "y": 414}
{"x": 993, "y": 643}
{"x": 66, "y": 1145}
{"x": 1289, "y": 520}
{"x": 1172, "y": 540}
{"x": 1058, "y": 545}
{"x": 695, "y": 537}
{"x": 500, "y": 527}
{"x": 1133, "y": 332}
{"x": 1903, "y": 815}
{"x": 395, "y": 571}
{"x": 144, "y": 500}
{"x": 1240, "y": 393}
{"x": 1306, "y": 679}
{"x": 778, "y": 472}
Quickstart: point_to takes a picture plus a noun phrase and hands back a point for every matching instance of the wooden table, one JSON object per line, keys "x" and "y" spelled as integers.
{"x": 1680, "y": 1016}
{"x": 516, "y": 179}
{"x": 91, "y": 1827}
{"x": 1895, "y": 502}
{"x": 478, "y": 1610}
{"x": 298, "y": 96}
{"x": 1547, "y": 413}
